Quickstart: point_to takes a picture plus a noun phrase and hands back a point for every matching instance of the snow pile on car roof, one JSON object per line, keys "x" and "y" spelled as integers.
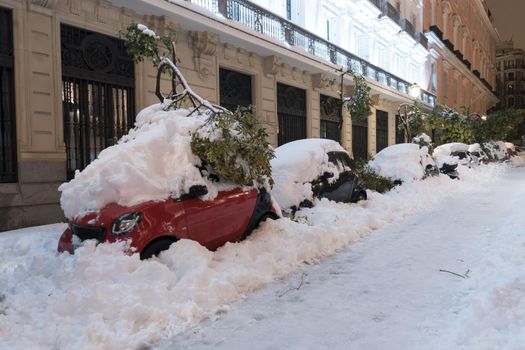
{"x": 152, "y": 162}
{"x": 296, "y": 164}
{"x": 403, "y": 162}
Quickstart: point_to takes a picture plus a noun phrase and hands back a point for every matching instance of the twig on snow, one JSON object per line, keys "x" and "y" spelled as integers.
{"x": 295, "y": 288}
{"x": 465, "y": 275}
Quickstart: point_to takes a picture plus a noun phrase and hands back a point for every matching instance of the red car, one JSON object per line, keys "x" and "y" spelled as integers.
{"x": 152, "y": 227}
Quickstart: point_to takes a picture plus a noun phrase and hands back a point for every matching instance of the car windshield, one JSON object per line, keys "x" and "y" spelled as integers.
{"x": 341, "y": 160}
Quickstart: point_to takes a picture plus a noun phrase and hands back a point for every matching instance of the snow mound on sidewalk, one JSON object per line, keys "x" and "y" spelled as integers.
{"x": 152, "y": 162}
{"x": 100, "y": 298}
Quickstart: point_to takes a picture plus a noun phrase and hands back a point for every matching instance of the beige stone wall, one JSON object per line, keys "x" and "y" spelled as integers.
{"x": 38, "y": 79}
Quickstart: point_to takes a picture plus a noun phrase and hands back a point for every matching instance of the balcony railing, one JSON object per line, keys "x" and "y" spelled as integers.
{"x": 280, "y": 29}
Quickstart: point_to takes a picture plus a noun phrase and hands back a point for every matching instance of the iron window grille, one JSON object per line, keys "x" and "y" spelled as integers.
{"x": 291, "y": 113}
{"x": 8, "y": 161}
{"x": 331, "y": 119}
{"x": 98, "y": 94}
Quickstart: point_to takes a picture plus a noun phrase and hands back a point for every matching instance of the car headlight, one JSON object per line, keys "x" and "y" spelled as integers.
{"x": 125, "y": 223}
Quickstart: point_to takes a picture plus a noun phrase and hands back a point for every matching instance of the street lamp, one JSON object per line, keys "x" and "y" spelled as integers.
{"x": 477, "y": 116}
{"x": 414, "y": 90}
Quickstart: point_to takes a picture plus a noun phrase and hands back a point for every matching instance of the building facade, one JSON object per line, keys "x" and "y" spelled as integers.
{"x": 462, "y": 41}
{"x": 510, "y": 80}
{"x": 68, "y": 89}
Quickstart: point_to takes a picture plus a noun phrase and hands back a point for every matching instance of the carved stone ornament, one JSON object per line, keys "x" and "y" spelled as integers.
{"x": 44, "y": 3}
{"x": 320, "y": 81}
{"x": 271, "y": 65}
{"x": 204, "y": 46}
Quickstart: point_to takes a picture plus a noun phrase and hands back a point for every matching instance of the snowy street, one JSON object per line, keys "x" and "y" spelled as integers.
{"x": 345, "y": 276}
{"x": 387, "y": 291}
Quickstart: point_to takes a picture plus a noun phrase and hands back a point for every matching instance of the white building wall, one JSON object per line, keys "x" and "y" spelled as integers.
{"x": 356, "y": 27}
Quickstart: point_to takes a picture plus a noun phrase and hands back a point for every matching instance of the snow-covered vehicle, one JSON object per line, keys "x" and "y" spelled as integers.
{"x": 313, "y": 168}
{"x": 152, "y": 189}
{"x": 511, "y": 149}
{"x": 477, "y": 154}
{"x": 404, "y": 162}
{"x": 153, "y": 226}
{"x": 496, "y": 150}
{"x": 450, "y": 155}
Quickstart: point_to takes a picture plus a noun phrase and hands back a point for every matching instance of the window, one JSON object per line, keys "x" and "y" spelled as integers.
{"x": 433, "y": 80}
{"x": 289, "y": 10}
{"x": 235, "y": 89}
{"x": 8, "y": 164}
{"x": 98, "y": 94}
{"x": 291, "y": 113}
{"x": 381, "y": 130}
{"x": 331, "y": 119}
{"x": 456, "y": 92}
{"x": 445, "y": 87}
{"x": 510, "y": 76}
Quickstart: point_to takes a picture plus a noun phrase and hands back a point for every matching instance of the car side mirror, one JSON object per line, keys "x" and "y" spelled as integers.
{"x": 197, "y": 191}
{"x": 194, "y": 192}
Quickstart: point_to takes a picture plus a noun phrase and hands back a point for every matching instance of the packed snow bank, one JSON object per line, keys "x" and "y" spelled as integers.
{"x": 152, "y": 162}
{"x": 296, "y": 164}
{"x": 404, "y": 161}
{"x": 100, "y": 298}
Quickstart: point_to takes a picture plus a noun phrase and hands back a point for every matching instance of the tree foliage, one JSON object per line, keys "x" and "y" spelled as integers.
{"x": 142, "y": 43}
{"x": 499, "y": 125}
{"x": 360, "y": 102}
{"x": 372, "y": 180}
{"x": 241, "y": 153}
{"x": 229, "y": 144}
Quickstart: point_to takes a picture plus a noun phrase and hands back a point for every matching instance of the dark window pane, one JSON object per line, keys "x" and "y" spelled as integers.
{"x": 235, "y": 89}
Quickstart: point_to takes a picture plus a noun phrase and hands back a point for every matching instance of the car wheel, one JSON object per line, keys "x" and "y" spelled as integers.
{"x": 266, "y": 217}
{"x": 360, "y": 196}
{"x": 263, "y": 218}
{"x": 156, "y": 247}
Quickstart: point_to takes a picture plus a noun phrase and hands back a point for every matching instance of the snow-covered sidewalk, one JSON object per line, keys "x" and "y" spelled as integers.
{"x": 450, "y": 277}
{"x": 102, "y": 299}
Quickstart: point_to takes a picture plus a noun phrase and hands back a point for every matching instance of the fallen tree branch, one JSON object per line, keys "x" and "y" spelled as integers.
{"x": 294, "y": 288}
{"x": 457, "y": 274}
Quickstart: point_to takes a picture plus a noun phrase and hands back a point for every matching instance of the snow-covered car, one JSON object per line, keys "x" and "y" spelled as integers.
{"x": 404, "y": 162}
{"x": 452, "y": 153}
{"x": 496, "y": 150}
{"x": 151, "y": 189}
{"x": 313, "y": 168}
{"x": 153, "y": 226}
{"x": 511, "y": 149}
{"x": 477, "y": 154}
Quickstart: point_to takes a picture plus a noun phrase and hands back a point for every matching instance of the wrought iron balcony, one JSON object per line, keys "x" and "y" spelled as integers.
{"x": 282, "y": 30}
